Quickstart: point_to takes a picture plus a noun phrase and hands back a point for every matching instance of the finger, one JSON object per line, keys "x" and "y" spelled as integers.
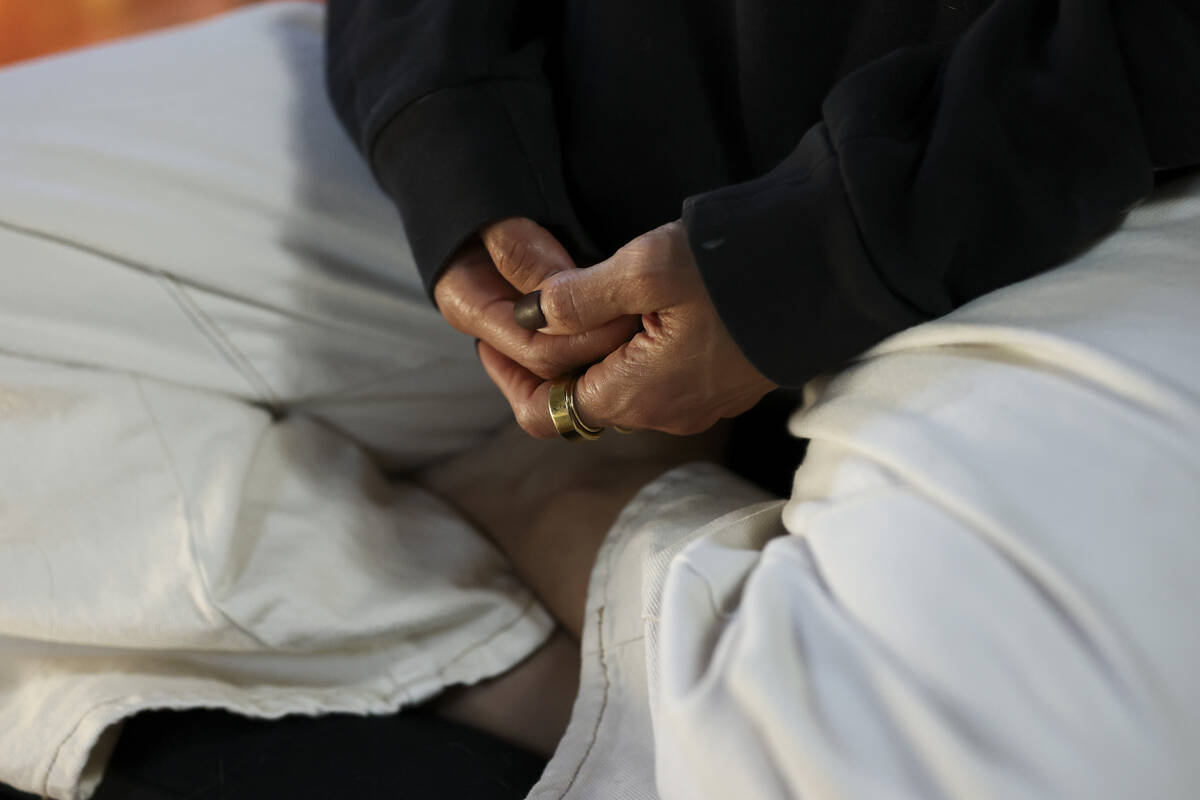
{"x": 609, "y": 393}
{"x": 477, "y": 301}
{"x": 636, "y": 388}
{"x": 646, "y": 275}
{"x": 614, "y": 392}
{"x": 525, "y": 392}
{"x": 528, "y": 395}
{"x": 524, "y": 252}
{"x": 467, "y": 285}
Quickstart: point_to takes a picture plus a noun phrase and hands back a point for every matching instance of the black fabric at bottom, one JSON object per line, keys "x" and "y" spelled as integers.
{"x": 214, "y": 755}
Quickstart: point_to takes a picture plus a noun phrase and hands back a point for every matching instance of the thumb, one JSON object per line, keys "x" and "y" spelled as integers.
{"x": 524, "y": 252}
{"x": 647, "y": 275}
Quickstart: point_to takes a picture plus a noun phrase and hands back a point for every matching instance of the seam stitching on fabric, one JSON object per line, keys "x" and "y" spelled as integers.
{"x": 600, "y": 713}
{"x": 507, "y": 626}
{"x": 381, "y": 338}
{"x": 224, "y": 345}
{"x": 630, "y": 640}
{"x": 254, "y": 375}
{"x": 190, "y": 519}
{"x": 629, "y": 515}
{"x": 50, "y": 767}
{"x": 117, "y": 701}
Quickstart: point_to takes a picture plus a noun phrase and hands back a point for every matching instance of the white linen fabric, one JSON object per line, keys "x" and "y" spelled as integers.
{"x": 213, "y": 342}
{"x": 983, "y": 586}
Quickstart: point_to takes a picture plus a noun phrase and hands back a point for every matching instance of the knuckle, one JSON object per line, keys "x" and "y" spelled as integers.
{"x": 651, "y": 261}
{"x": 658, "y": 245}
{"x": 455, "y": 313}
{"x": 454, "y": 306}
{"x": 561, "y": 303}
{"x": 678, "y": 252}
{"x": 513, "y": 256}
{"x": 564, "y": 354}
{"x": 527, "y": 419}
{"x": 543, "y": 368}
{"x": 587, "y": 394}
{"x": 539, "y": 359}
{"x": 517, "y": 252}
{"x": 647, "y": 283}
{"x": 674, "y": 230}
{"x": 595, "y": 406}
{"x": 640, "y": 251}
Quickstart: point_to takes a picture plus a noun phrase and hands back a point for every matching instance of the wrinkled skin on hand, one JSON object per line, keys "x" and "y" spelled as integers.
{"x": 479, "y": 286}
{"x": 680, "y": 373}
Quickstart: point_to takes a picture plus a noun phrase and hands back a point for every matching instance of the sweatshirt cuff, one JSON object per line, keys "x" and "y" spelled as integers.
{"x": 785, "y": 266}
{"x": 463, "y": 157}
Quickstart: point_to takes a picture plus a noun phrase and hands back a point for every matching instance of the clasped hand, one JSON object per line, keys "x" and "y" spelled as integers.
{"x": 657, "y": 354}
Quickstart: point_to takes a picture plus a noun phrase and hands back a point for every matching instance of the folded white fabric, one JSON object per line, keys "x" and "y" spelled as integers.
{"x": 208, "y": 313}
{"x": 983, "y": 586}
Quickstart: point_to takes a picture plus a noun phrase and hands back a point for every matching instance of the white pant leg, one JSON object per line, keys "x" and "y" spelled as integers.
{"x": 983, "y": 586}
{"x": 249, "y": 249}
{"x": 189, "y": 248}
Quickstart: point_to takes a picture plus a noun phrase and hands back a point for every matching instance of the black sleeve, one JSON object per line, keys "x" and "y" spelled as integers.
{"x": 940, "y": 174}
{"x": 449, "y": 102}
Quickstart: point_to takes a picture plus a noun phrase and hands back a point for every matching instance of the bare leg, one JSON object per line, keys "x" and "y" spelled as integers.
{"x": 529, "y": 705}
{"x": 548, "y": 506}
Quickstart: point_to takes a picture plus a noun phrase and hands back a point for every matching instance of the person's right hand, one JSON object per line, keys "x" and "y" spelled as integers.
{"x": 485, "y": 277}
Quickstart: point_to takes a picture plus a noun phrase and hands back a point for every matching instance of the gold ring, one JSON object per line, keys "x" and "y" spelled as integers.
{"x": 561, "y": 400}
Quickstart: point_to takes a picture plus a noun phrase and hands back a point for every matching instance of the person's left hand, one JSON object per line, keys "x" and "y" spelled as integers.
{"x": 680, "y": 374}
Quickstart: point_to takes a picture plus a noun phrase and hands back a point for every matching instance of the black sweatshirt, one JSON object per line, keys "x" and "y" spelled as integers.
{"x": 845, "y": 168}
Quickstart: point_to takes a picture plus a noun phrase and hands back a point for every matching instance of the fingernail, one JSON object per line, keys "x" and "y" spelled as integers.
{"x": 528, "y": 312}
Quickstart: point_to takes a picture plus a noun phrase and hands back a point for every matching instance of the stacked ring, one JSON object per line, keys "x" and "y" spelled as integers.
{"x": 561, "y": 399}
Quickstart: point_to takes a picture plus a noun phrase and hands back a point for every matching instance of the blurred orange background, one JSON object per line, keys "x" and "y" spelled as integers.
{"x": 30, "y": 28}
